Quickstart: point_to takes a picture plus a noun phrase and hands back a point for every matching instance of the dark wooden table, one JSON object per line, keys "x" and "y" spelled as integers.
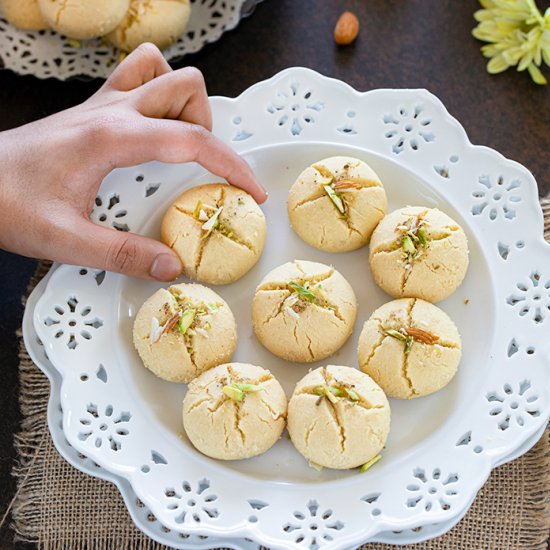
{"x": 402, "y": 44}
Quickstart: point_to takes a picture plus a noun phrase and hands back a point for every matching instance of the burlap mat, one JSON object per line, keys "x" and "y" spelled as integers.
{"x": 57, "y": 507}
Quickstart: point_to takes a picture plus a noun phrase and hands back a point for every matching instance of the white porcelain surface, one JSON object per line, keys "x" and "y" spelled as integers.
{"x": 441, "y": 448}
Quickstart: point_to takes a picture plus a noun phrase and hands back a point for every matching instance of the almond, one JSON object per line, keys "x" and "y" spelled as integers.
{"x": 347, "y": 29}
{"x": 422, "y": 335}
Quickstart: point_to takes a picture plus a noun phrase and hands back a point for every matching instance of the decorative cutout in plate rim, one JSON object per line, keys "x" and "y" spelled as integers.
{"x": 470, "y": 467}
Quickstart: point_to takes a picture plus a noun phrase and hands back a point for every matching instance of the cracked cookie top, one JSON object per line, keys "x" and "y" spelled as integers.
{"x": 336, "y": 203}
{"x": 217, "y": 230}
{"x": 83, "y": 19}
{"x": 419, "y": 252}
{"x": 303, "y": 311}
{"x": 183, "y": 331}
{"x": 234, "y": 411}
{"x": 157, "y": 21}
{"x": 410, "y": 348}
{"x": 338, "y": 417}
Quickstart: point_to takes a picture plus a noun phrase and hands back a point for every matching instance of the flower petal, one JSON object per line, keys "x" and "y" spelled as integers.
{"x": 497, "y": 65}
{"x": 536, "y": 75}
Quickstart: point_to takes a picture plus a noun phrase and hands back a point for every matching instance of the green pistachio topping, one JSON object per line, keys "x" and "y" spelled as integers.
{"x": 352, "y": 394}
{"x": 396, "y": 334}
{"x": 409, "y": 340}
{"x": 407, "y": 245}
{"x": 249, "y": 388}
{"x": 304, "y": 292}
{"x": 238, "y": 391}
{"x": 335, "y": 198}
{"x": 197, "y": 210}
{"x": 422, "y": 237}
{"x": 332, "y": 394}
{"x": 186, "y": 320}
{"x": 233, "y": 393}
{"x": 370, "y": 463}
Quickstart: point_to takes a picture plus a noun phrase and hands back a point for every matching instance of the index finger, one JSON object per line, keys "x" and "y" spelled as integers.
{"x": 176, "y": 141}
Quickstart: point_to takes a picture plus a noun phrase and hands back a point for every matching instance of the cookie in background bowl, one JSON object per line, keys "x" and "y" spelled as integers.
{"x": 338, "y": 417}
{"x": 161, "y": 22}
{"x": 217, "y": 230}
{"x": 410, "y": 348}
{"x": 23, "y": 14}
{"x": 419, "y": 252}
{"x": 83, "y": 19}
{"x": 184, "y": 330}
{"x": 336, "y": 203}
{"x": 303, "y": 311}
{"x": 234, "y": 411}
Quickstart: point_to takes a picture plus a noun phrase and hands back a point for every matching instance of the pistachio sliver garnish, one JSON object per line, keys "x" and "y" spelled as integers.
{"x": 233, "y": 393}
{"x": 248, "y": 388}
{"x": 198, "y": 208}
{"x": 212, "y": 222}
{"x": 407, "y": 245}
{"x": 337, "y": 201}
{"x": 369, "y": 464}
{"x": 422, "y": 237}
{"x": 395, "y": 334}
{"x": 352, "y": 394}
{"x": 328, "y": 392}
{"x": 186, "y": 320}
{"x": 304, "y": 292}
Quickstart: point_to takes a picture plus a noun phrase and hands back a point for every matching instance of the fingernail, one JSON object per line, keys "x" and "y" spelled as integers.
{"x": 166, "y": 267}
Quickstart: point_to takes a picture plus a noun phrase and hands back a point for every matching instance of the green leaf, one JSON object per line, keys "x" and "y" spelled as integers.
{"x": 335, "y": 198}
{"x": 186, "y": 320}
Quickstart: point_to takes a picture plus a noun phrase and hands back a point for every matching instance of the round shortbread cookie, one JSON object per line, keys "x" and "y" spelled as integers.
{"x": 338, "y": 417}
{"x": 410, "y": 348}
{"x": 336, "y": 203}
{"x": 419, "y": 252}
{"x": 217, "y": 230}
{"x": 183, "y": 331}
{"x": 303, "y": 311}
{"x": 234, "y": 411}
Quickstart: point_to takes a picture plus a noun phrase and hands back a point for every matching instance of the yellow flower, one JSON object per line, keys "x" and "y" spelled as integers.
{"x": 518, "y": 34}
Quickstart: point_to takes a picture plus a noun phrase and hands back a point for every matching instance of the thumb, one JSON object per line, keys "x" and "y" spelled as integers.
{"x": 100, "y": 247}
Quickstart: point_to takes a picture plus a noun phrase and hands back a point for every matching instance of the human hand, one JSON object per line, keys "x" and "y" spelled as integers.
{"x": 52, "y": 168}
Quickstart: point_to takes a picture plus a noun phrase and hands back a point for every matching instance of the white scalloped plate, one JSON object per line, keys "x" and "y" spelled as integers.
{"x": 441, "y": 448}
{"x": 139, "y": 513}
{"x": 47, "y": 54}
